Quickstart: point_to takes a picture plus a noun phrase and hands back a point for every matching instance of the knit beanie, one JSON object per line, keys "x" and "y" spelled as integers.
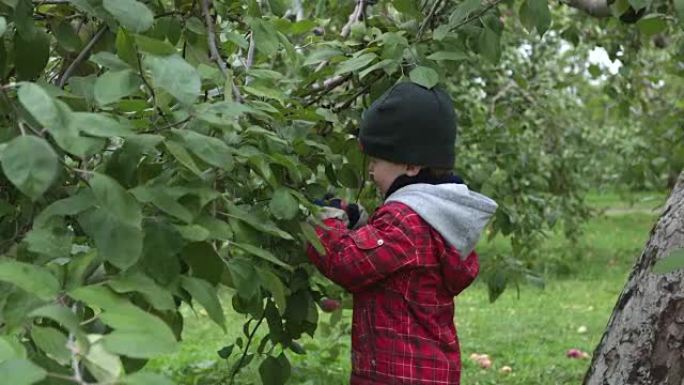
{"x": 410, "y": 124}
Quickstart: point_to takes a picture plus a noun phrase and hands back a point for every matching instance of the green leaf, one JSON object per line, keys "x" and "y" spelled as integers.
{"x": 639, "y": 4}
{"x": 111, "y": 86}
{"x": 175, "y": 76}
{"x": 114, "y": 199}
{"x": 21, "y": 372}
{"x": 212, "y": 150}
{"x": 425, "y": 76}
{"x": 652, "y": 24}
{"x": 594, "y": 70}
{"x": 103, "y": 365}
{"x": 133, "y": 15}
{"x": 67, "y": 37}
{"x": 263, "y": 254}
{"x": 356, "y": 63}
{"x": 118, "y": 242}
{"x": 100, "y": 125}
{"x": 31, "y": 164}
{"x": 244, "y": 277}
{"x": 72, "y": 205}
{"x": 161, "y": 246}
{"x": 406, "y": 6}
{"x": 142, "y": 378}
{"x": 157, "y": 296}
{"x": 673, "y": 261}
{"x": 136, "y": 333}
{"x": 489, "y": 45}
{"x": 31, "y": 55}
{"x": 283, "y": 205}
{"x": 448, "y": 55}
{"x": 10, "y": 347}
{"x": 40, "y": 105}
{"x": 3, "y": 26}
{"x": 154, "y": 46}
{"x": 266, "y": 92}
{"x": 275, "y": 371}
{"x": 679, "y": 7}
{"x": 273, "y": 284}
{"x": 183, "y": 156}
{"x": 310, "y": 234}
{"x": 54, "y": 241}
{"x": 379, "y": 65}
{"x": 265, "y": 36}
{"x": 52, "y": 342}
{"x": 109, "y": 60}
{"x": 193, "y": 233}
{"x": 535, "y": 13}
{"x": 204, "y": 262}
{"x": 158, "y": 196}
{"x": 204, "y": 293}
{"x": 59, "y": 314}
{"x": 255, "y": 222}
{"x": 32, "y": 278}
{"x": 462, "y": 11}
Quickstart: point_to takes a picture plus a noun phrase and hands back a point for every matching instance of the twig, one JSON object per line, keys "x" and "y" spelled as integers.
{"x": 82, "y": 56}
{"x": 244, "y": 353}
{"x": 356, "y": 15}
{"x": 428, "y": 18}
{"x": 75, "y": 364}
{"x": 351, "y": 100}
{"x": 149, "y": 87}
{"x": 250, "y": 57}
{"x": 476, "y": 15}
{"x": 213, "y": 48}
{"x": 50, "y": 2}
{"x": 327, "y": 85}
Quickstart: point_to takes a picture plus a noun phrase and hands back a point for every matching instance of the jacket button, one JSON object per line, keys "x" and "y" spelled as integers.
{"x": 380, "y": 242}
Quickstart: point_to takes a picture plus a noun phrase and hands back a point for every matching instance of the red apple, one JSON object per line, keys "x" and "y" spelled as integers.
{"x": 330, "y": 305}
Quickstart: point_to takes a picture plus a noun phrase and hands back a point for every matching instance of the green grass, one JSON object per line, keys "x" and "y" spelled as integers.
{"x": 529, "y": 332}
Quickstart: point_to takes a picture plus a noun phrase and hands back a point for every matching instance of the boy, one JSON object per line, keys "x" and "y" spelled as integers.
{"x": 416, "y": 252}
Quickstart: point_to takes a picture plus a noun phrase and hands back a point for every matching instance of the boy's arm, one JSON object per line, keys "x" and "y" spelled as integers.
{"x": 357, "y": 258}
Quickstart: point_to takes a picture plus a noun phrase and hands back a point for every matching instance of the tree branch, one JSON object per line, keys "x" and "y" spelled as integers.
{"x": 358, "y": 14}
{"x": 428, "y": 19}
{"x": 213, "y": 47}
{"x": 596, "y": 8}
{"x": 82, "y": 56}
{"x": 244, "y": 353}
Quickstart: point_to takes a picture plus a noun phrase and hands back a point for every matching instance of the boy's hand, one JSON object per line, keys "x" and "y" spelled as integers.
{"x": 353, "y": 215}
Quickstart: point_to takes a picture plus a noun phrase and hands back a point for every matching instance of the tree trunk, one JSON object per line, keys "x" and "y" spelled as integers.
{"x": 644, "y": 341}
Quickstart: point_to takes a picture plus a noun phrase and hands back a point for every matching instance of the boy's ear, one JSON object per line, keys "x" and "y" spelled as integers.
{"x": 412, "y": 170}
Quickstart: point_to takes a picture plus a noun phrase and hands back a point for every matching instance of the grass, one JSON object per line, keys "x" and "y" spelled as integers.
{"x": 530, "y": 331}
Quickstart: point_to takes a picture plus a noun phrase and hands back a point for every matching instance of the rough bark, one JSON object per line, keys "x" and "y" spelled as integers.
{"x": 644, "y": 341}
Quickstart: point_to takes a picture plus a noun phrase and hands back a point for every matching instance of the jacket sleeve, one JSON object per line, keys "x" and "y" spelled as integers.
{"x": 357, "y": 258}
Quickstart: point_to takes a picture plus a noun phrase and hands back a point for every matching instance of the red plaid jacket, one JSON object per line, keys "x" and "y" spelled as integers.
{"x": 403, "y": 277}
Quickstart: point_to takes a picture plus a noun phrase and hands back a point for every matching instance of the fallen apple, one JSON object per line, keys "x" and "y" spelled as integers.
{"x": 573, "y": 353}
{"x": 485, "y": 363}
{"x": 506, "y": 369}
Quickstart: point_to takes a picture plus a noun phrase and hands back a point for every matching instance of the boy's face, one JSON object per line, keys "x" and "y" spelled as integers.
{"x": 383, "y": 172}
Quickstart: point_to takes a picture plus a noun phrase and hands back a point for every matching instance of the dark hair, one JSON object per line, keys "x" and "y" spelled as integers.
{"x": 438, "y": 172}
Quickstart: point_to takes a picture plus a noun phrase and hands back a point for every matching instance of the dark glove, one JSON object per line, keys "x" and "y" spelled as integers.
{"x": 355, "y": 213}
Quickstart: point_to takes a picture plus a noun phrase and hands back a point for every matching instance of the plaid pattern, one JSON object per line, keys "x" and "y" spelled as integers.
{"x": 403, "y": 277}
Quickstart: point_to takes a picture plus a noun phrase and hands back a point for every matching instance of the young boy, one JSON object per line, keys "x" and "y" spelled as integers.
{"x": 415, "y": 254}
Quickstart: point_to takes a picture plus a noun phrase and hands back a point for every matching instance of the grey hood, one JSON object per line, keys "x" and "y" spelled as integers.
{"x": 458, "y": 214}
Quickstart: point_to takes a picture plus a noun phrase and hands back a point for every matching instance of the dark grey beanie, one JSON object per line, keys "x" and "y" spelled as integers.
{"x": 410, "y": 124}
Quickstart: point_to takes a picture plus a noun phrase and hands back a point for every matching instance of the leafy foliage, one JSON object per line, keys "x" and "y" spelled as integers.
{"x": 154, "y": 153}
